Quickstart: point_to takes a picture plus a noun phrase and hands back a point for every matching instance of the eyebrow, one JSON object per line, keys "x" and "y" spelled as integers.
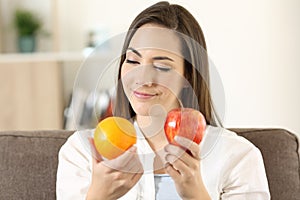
{"x": 134, "y": 51}
{"x": 154, "y": 58}
{"x": 163, "y": 58}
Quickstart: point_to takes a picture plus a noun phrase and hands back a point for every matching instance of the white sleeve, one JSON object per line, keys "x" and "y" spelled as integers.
{"x": 246, "y": 178}
{"x": 74, "y": 170}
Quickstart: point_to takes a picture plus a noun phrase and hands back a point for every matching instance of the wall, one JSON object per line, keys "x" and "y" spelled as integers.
{"x": 254, "y": 45}
{"x": 41, "y": 8}
{"x": 1, "y": 29}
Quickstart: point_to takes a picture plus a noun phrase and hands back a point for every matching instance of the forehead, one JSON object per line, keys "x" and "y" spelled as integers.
{"x": 155, "y": 37}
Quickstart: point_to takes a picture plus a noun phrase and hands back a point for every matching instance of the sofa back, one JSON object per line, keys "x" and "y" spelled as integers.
{"x": 28, "y": 162}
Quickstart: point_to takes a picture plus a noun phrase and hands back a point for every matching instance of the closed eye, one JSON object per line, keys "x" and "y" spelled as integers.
{"x": 162, "y": 68}
{"x": 132, "y": 61}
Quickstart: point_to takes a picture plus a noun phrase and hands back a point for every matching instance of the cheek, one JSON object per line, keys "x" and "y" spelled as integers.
{"x": 170, "y": 92}
{"x": 126, "y": 79}
{"x": 124, "y": 70}
{"x": 172, "y": 83}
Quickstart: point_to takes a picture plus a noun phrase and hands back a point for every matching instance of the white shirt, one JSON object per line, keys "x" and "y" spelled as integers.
{"x": 231, "y": 167}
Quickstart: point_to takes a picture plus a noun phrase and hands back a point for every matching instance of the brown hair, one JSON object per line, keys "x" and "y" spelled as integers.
{"x": 196, "y": 69}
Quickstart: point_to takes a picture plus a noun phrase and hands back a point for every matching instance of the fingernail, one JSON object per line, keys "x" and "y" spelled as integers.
{"x": 132, "y": 149}
{"x": 167, "y": 165}
{"x": 90, "y": 139}
{"x": 167, "y": 157}
{"x": 177, "y": 138}
{"x": 166, "y": 148}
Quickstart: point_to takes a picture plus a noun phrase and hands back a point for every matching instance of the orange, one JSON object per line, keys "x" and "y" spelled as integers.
{"x": 113, "y": 136}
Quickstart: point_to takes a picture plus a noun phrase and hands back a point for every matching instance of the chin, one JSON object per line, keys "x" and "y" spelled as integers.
{"x": 141, "y": 110}
{"x": 150, "y": 110}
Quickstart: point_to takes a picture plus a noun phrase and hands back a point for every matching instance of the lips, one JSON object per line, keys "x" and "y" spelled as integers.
{"x": 143, "y": 95}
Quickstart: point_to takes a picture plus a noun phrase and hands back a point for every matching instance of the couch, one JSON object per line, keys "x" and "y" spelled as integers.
{"x": 28, "y": 162}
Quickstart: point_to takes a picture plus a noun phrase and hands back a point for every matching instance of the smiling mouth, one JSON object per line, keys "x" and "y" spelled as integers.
{"x": 142, "y": 95}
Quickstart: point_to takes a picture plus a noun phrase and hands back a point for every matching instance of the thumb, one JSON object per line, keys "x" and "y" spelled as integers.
{"x": 96, "y": 157}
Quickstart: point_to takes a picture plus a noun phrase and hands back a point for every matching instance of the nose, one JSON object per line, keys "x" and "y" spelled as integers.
{"x": 145, "y": 76}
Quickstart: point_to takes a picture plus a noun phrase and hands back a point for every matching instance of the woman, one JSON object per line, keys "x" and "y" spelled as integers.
{"x": 164, "y": 66}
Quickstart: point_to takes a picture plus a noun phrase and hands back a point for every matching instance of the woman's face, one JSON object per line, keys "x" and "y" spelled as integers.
{"x": 152, "y": 73}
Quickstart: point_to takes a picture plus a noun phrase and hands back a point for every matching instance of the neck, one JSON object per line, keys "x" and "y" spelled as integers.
{"x": 152, "y": 128}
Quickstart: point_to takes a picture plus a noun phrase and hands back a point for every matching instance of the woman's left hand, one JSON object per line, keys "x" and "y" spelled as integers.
{"x": 184, "y": 168}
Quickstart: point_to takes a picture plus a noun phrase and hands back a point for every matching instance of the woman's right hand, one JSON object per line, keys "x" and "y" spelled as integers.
{"x": 111, "y": 179}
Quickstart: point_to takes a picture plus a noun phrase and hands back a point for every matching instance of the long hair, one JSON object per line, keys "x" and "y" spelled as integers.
{"x": 196, "y": 69}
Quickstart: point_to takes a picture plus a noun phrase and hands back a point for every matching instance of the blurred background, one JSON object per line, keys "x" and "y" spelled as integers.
{"x": 255, "y": 46}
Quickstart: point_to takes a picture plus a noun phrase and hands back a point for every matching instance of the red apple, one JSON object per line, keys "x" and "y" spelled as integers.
{"x": 185, "y": 122}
